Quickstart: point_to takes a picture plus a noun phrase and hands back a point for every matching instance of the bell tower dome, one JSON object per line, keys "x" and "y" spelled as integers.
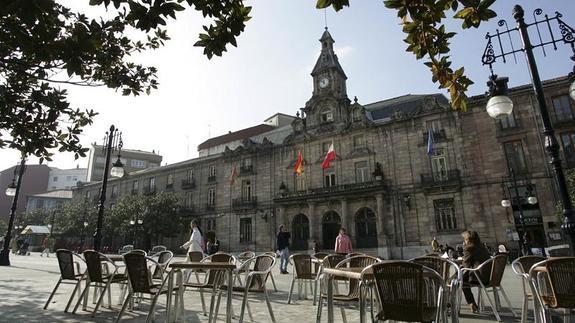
{"x": 328, "y": 76}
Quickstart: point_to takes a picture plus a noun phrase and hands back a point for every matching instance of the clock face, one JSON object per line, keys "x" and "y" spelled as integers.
{"x": 323, "y": 82}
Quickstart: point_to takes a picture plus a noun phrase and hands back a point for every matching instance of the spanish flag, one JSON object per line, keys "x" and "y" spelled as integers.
{"x": 298, "y": 169}
{"x": 233, "y": 175}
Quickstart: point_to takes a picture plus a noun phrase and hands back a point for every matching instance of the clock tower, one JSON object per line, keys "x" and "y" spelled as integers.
{"x": 328, "y": 76}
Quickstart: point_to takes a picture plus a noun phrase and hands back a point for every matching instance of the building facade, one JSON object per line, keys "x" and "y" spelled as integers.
{"x": 65, "y": 179}
{"x": 133, "y": 160}
{"x": 35, "y": 180}
{"x": 392, "y": 190}
{"x": 48, "y": 200}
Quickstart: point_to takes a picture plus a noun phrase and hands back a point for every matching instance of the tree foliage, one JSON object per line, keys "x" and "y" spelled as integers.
{"x": 427, "y": 37}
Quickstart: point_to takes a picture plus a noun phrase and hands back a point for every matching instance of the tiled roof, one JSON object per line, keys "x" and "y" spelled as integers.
{"x": 407, "y": 104}
{"x": 236, "y": 135}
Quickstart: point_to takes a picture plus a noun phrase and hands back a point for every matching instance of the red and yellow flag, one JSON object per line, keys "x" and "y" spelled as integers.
{"x": 298, "y": 169}
{"x": 233, "y": 175}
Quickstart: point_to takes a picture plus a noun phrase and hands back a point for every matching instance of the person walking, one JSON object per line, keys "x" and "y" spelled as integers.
{"x": 45, "y": 247}
{"x": 474, "y": 254}
{"x": 196, "y": 242}
{"x": 282, "y": 243}
{"x": 343, "y": 243}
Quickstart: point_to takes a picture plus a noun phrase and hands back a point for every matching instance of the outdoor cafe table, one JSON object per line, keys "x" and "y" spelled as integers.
{"x": 352, "y": 273}
{"x": 178, "y": 266}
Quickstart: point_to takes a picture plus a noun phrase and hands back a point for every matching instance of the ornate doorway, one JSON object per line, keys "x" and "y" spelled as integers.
{"x": 300, "y": 232}
{"x": 330, "y": 225}
{"x": 366, "y": 228}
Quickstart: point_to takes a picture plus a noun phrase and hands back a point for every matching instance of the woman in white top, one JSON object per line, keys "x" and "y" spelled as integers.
{"x": 196, "y": 241}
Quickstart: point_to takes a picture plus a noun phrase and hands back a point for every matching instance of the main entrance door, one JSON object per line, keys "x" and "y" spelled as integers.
{"x": 300, "y": 232}
{"x": 330, "y": 225}
{"x": 366, "y": 228}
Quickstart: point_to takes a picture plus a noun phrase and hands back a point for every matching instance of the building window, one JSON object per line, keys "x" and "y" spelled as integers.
{"x": 358, "y": 141}
{"x": 209, "y": 224}
{"x": 68, "y": 178}
{"x": 152, "y": 183}
{"x": 246, "y": 190}
{"x": 329, "y": 179}
{"x": 39, "y": 203}
{"x": 445, "y": 215}
{"x": 189, "y": 200}
{"x": 568, "y": 142}
{"x": 170, "y": 180}
{"x": 357, "y": 114}
{"x": 433, "y": 125}
{"x": 439, "y": 165}
{"x": 135, "y": 187}
{"x": 326, "y": 115}
{"x": 300, "y": 182}
{"x": 190, "y": 175}
{"x": 211, "y": 197}
{"x": 325, "y": 147}
{"x": 563, "y": 108}
{"x": 245, "y": 230}
{"x": 361, "y": 172}
{"x": 212, "y": 171}
{"x": 55, "y": 179}
{"x": 515, "y": 157}
{"x": 138, "y": 163}
{"x": 247, "y": 162}
{"x": 508, "y": 122}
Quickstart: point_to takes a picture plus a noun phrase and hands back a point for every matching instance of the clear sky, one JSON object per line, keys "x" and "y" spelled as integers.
{"x": 269, "y": 72}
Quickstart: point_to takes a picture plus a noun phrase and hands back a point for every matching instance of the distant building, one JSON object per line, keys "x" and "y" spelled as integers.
{"x": 35, "y": 181}
{"x": 133, "y": 160}
{"x": 65, "y": 179}
{"x": 48, "y": 200}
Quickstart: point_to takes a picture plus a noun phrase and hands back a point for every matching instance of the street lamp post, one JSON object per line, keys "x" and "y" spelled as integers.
{"x": 12, "y": 190}
{"x": 112, "y": 141}
{"x": 133, "y": 223}
{"x": 551, "y": 145}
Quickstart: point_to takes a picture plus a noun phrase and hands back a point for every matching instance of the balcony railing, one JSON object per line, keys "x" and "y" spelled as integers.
{"x": 211, "y": 179}
{"x": 188, "y": 183}
{"x": 170, "y": 186}
{"x": 149, "y": 190}
{"x": 245, "y": 202}
{"x": 450, "y": 179}
{"x": 210, "y": 207}
{"x": 247, "y": 170}
{"x": 438, "y": 136}
{"x": 362, "y": 187}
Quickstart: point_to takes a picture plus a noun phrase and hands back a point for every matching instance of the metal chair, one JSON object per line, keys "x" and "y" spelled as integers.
{"x": 100, "y": 276}
{"x": 302, "y": 273}
{"x": 255, "y": 283}
{"x": 125, "y": 249}
{"x": 69, "y": 274}
{"x": 554, "y": 286}
{"x": 489, "y": 275}
{"x": 157, "y": 249}
{"x": 139, "y": 277}
{"x": 452, "y": 277}
{"x": 521, "y": 268}
{"x": 273, "y": 254}
{"x": 212, "y": 280}
{"x": 407, "y": 291}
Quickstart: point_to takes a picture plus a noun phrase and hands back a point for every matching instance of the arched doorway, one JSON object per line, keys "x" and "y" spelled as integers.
{"x": 330, "y": 225}
{"x": 366, "y": 228}
{"x": 300, "y": 232}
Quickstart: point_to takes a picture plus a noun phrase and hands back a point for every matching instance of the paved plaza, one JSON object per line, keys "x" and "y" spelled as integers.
{"x": 25, "y": 286}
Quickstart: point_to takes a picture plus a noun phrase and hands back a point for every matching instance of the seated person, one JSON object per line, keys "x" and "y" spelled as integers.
{"x": 474, "y": 254}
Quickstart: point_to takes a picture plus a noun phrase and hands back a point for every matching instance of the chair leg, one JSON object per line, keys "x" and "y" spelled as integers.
{"x": 507, "y": 301}
{"x": 53, "y": 292}
{"x": 243, "y": 308}
{"x": 273, "y": 282}
{"x": 110, "y": 298}
{"x": 269, "y": 305}
{"x": 343, "y": 317}
{"x": 249, "y": 309}
{"x": 203, "y": 301}
{"x": 314, "y": 292}
{"x": 82, "y": 297}
{"x": 151, "y": 312}
{"x": 102, "y": 294}
{"x": 126, "y": 302}
{"x": 291, "y": 290}
{"x": 76, "y": 288}
{"x": 493, "y": 306}
{"x": 319, "y": 307}
{"x": 217, "y": 306}
{"x": 525, "y": 308}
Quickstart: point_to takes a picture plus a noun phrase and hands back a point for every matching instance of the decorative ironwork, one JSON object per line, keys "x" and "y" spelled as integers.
{"x": 332, "y": 190}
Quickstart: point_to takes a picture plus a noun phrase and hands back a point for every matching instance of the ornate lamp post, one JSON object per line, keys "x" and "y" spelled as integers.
{"x": 133, "y": 223}
{"x": 112, "y": 141}
{"x": 499, "y": 106}
{"x": 12, "y": 190}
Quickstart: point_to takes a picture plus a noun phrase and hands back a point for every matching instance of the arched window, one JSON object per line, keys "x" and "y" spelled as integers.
{"x": 366, "y": 228}
{"x": 331, "y": 223}
{"x": 326, "y": 115}
{"x": 300, "y": 231}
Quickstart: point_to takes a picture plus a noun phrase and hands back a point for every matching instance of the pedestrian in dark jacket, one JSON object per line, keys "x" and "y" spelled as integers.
{"x": 282, "y": 243}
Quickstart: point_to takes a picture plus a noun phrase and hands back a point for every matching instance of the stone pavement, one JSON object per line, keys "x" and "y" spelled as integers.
{"x": 25, "y": 286}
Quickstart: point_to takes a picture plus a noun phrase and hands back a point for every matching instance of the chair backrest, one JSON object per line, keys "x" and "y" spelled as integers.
{"x": 138, "y": 272}
{"x": 164, "y": 258}
{"x": 561, "y": 273}
{"x": 66, "y": 263}
{"x": 263, "y": 264}
{"x": 217, "y": 257}
{"x": 362, "y": 261}
{"x": 195, "y": 256}
{"x": 330, "y": 261}
{"x": 497, "y": 270}
{"x": 94, "y": 265}
{"x": 302, "y": 265}
{"x": 354, "y": 254}
{"x": 246, "y": 255}
{"x": 126, "y": 248}
{"x": 442, "y": 266}
{"x": 522, "y": 265}
{"x": 403, "y": 291}
{"x": 320, "y": 255}
{"x": 156, "y": 249}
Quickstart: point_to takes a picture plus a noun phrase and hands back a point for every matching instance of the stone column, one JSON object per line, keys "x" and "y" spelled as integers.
{"x": 282, "y": 216}
{"x": 344, "y": 218}
{"x": 313, "y": 227}
{"x": 382, "y": 234}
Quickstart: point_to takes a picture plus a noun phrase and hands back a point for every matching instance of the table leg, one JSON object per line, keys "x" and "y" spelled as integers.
{"x": 361, "y": 302}
{"x": 329, "y": 298}
{"x": 230, "y": 290}
{"x": 170, "y": 291}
